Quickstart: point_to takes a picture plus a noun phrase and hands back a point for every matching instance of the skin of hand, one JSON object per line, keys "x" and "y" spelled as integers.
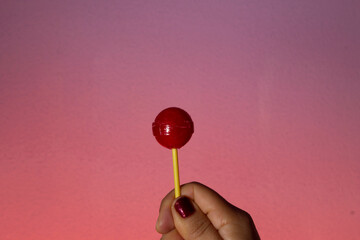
{"x": 201, "y": 213}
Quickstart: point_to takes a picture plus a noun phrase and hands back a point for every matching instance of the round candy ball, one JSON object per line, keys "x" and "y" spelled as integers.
{"x": 173, "y": 127}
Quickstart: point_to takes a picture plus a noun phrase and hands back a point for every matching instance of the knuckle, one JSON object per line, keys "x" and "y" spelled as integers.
{"x": 245, "y": 217}
{"x": 194, "y": 183}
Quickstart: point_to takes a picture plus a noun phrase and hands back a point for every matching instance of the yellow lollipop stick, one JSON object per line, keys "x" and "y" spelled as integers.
{"x": 176, "y": 172}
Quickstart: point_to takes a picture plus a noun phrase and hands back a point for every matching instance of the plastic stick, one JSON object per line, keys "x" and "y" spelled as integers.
{"x": 176, "y": 172}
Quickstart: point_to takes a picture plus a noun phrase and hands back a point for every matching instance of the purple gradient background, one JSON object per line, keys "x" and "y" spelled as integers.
{"x": 272, "y": 86}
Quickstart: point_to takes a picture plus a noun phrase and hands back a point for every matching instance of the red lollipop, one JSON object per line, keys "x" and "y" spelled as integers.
{"x": 173, "y": 128}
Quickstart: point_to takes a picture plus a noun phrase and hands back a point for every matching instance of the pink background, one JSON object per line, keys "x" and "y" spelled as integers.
{"x": 273, "y": 88}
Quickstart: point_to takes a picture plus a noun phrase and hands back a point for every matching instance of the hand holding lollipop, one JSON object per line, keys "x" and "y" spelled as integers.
{"x": 173, "y": 128}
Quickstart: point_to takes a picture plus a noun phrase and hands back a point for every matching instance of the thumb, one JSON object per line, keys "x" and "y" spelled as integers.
{"x": 191, "y": 222}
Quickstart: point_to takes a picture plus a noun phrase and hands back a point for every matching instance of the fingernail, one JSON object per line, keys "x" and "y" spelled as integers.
{"x": 184, "y": 207}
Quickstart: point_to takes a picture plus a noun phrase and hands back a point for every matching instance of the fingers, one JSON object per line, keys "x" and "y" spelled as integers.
{"x": 229, "y": 221}
{"x": 208, "y": 200}
{"x": 217, "y": 209}
{"x": 191, "y": 223}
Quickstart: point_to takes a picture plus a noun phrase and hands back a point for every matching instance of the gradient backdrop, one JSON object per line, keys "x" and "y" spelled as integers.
{"x": 273, "y": 88}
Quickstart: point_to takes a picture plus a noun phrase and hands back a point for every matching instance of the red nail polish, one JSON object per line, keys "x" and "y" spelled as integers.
{"x": 184, "y": 207}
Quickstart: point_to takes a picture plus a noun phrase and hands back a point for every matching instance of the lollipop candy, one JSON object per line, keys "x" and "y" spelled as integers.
{"x": 173, "y": 128}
